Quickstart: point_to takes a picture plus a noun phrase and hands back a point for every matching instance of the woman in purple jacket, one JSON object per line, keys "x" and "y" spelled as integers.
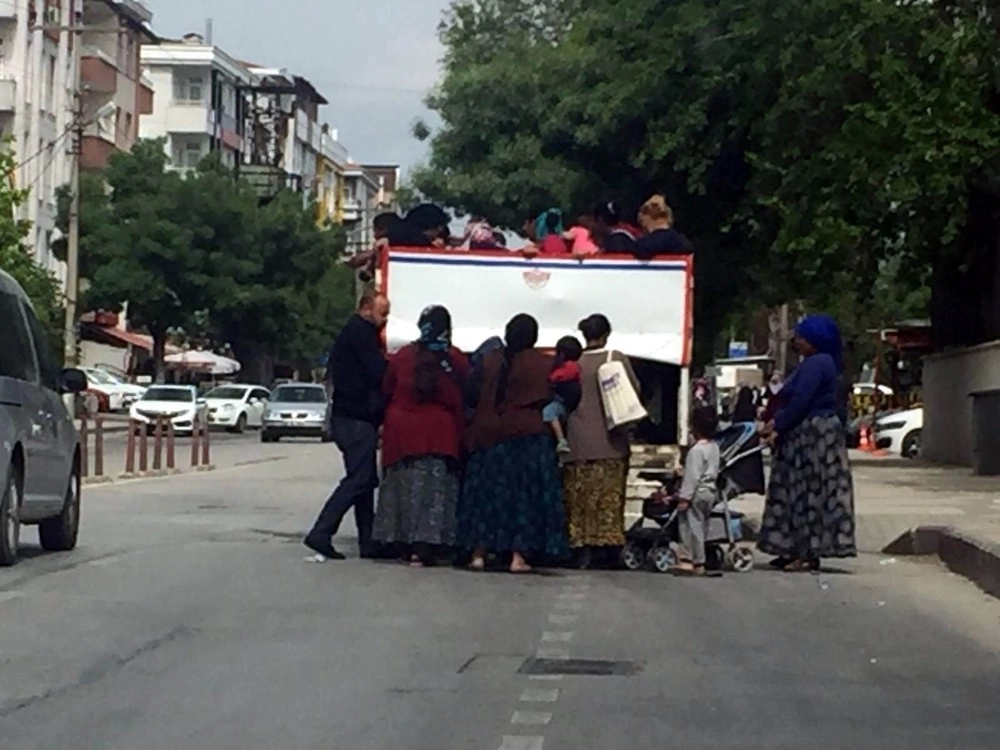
{"x": 809, "y": 513}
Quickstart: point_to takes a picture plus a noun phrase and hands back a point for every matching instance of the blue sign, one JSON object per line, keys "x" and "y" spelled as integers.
{"x": 739, "y": 349}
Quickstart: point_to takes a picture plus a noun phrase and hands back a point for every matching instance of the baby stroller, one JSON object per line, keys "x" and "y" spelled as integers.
{"x": 741, "y": 471}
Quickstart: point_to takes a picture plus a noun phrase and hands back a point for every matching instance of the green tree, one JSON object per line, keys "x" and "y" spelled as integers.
{"x": 804, "y": 147}
{"x": 17, "y": 259}
{"x": 136, "y": 244}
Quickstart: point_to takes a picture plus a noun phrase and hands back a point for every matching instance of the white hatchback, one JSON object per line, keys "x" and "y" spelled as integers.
{"x": 900, "y": 432}
{"x": 236, "y": 407}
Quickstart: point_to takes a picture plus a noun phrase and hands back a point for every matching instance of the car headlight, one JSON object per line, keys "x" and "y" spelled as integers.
{"x": 227, "y": 407}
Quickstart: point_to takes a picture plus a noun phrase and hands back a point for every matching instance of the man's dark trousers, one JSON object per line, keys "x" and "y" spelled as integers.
{"x": 358, "y": 441}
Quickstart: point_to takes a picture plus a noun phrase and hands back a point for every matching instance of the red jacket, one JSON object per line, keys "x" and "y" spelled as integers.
{"x": 414, "y": 428}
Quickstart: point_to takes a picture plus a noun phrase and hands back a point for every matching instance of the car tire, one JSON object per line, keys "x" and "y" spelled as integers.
{"x": 59, "y": 534}
{"x": 911, "y": 445}
{"x": 10, "y": 518}
{"x": 241, "y": 425}
{"x": 265, "y": 437}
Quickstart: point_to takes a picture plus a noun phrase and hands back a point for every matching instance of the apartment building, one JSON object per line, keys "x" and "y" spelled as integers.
{"x": 197, "y": 102}
{"x": 114, "y": 92}
{"x": 37, "y": 81}
{"x": 330, "y": 181}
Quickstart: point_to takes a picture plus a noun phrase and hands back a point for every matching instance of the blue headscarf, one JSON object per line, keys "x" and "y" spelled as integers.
{"x": 435, "y": 329}
{"x": 822, "y": 332}
{"x": 549, "y": 222}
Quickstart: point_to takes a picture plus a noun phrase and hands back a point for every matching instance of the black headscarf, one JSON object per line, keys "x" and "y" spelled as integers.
{"x": 433, "y": 356}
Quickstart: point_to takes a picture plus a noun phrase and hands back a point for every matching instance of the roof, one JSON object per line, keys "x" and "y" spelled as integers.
{"x": 178, "y": 54}
{"x": 129, "y": 338}
{"x": 314, "y": 94}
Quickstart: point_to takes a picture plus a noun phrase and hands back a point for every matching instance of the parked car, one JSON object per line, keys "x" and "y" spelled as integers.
{"x": 178, "y": 403}
{"x": 120, "y": 395}
{"x": 899, "y": 432}
{"x": 297, "y": 410}
{"x": 236, "y": 406}
{"x": 39, "y": 449}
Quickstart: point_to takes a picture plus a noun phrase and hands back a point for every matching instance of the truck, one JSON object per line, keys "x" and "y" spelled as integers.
{"x": 650, "y": 304}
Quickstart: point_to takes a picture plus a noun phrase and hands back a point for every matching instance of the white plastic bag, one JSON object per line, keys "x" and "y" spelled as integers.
{"x": 621, "y": 403}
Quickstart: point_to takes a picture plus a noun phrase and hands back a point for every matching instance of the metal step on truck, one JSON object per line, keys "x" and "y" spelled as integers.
{"x": 649, "y": 304}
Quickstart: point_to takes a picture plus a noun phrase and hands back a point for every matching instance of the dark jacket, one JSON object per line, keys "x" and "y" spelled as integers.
{"x": 356, "y": 368}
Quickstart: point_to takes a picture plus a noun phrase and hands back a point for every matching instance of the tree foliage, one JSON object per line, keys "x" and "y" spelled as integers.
{"x": 805, "y": 147}
{"x": 202, "y": 254}
{"x": 17, "y": 258}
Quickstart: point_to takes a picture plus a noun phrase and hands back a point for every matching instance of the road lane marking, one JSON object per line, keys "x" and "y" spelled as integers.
{"x": 546, "y": 677}
{"x": 551, "y": 636}
{"x": 522, "y": 743}
{"x": 563, "y": 619}
{"x": 539, "y": 695}
{"x": 531, "y": 718}
{"x": 572, "y": 606}
{"x": 572, "y": 595}
{"x": 556, "y": 654}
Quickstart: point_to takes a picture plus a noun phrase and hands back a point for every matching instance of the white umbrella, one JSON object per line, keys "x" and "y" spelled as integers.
{"x": 204, "y": 361}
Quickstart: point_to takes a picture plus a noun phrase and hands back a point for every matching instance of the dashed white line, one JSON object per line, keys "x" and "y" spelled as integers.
{"x": 532, "y": 718}
{"x": 546, "y": 677}
{"x": 572, "y": 595}
{"x": 551, "y": 636}
{"x": 552, "y": 653}
{"x": 563, "y": 619}
{"x": 522, "y": 743}
{"x": 540, "y": 695}
{"x": 572, "y": 606}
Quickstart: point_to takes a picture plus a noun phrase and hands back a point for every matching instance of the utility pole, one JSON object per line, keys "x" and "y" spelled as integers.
{"x": 75, "y": 30}
{"x": 783, "y": 340}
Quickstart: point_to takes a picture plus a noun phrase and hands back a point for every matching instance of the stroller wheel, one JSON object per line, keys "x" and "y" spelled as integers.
{"x": 663, "y": 558}
{"x": 633, "y": 556}
{"x": 741, "y": 559}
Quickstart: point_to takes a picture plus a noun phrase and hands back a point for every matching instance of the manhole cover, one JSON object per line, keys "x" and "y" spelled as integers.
{"x": 581, "y": 667}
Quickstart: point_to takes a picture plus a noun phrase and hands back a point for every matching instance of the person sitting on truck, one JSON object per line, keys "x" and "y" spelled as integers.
{"x": 423, "y": 226}
{"x": 613, "y": 234}
{"x": 366, "y": 262}
{"x": 550, "y": 231}
{"x": 657, "y": 219}
{"x": 565, "y": 381}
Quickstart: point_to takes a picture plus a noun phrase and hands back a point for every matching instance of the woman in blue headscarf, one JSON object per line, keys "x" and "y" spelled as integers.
{"x": 421, "y": 442}
{"x": 809, "y": 513}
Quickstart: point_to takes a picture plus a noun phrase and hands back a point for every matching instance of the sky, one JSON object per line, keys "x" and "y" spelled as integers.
{"x": 374, "y": 60}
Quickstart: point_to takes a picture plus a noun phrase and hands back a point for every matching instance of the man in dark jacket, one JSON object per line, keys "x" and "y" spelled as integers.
{"x": 356, "y": 367}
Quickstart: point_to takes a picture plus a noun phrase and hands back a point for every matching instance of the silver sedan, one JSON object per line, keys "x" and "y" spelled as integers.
{"x": 297, "y": 410}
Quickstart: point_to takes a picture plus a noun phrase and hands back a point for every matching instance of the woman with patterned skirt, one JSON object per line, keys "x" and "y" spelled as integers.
{"x": 512, "y": 500}
{"x": 595, "y": 470}
{"x": 809, "y": 512}
{"x": 421, "y": 443}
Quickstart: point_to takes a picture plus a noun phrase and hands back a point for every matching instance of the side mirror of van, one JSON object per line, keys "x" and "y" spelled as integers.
{"x": 72, "y": 381}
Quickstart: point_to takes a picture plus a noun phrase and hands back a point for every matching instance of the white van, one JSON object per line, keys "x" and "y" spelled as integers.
{"x": 39, "y": 446}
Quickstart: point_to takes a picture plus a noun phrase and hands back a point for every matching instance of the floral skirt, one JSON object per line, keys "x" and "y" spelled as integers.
{"x": 595, "y": 502}
{"x": 809, "y": 512}
{"x": 512, "y": 499}
{"x": 417, "y": 502}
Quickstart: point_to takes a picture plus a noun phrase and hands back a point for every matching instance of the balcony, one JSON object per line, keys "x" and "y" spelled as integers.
{"x": 97, "y": 73}
{"x": 8, "y": 95}
{"x": 95, "y": 152}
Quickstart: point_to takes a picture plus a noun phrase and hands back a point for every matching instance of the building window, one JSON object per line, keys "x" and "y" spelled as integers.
{"x": 192, "y": 155}
{"x": 189, "y": 89}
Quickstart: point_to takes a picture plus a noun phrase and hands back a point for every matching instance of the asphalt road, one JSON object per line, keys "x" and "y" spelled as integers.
{"x": 188, "y": 619}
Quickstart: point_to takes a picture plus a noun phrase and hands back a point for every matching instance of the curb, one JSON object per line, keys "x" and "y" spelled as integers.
{"x": 963, "y": 553}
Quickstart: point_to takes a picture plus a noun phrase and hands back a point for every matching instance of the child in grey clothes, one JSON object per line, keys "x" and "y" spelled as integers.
{"x": 698, "y": 493}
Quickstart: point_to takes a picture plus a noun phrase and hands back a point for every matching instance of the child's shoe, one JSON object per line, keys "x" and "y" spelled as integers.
{"x": 563, "y": 446}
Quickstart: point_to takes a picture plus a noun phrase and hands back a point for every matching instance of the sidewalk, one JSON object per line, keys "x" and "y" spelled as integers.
{"x": 912, "y": 508}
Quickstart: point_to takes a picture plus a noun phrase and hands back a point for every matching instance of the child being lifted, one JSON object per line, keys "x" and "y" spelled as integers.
{"x": 566, "y": 388}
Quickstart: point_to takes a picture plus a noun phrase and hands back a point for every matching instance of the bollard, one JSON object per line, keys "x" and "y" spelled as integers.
{"x": 133, "y": 425}
{"x": 143, "y": 448}
{"x": 158, "y": 445}
{"x": 195, "y": 443}
{"x": 84, "y": 439}
{"x": 206, "y": 461}
{"x": 171, "y": 437}
{"x": 99, "y": 447}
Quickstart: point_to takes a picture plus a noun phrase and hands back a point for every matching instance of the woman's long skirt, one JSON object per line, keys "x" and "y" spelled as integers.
{"x": 595, "y": 502}
{"x": 512, "y": 499}
{"x": 417, "y": 502}
{"x": 809, "y": 512}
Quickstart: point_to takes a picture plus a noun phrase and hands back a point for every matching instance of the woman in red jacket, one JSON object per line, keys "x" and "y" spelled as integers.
{"x": 421, "y": 440}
